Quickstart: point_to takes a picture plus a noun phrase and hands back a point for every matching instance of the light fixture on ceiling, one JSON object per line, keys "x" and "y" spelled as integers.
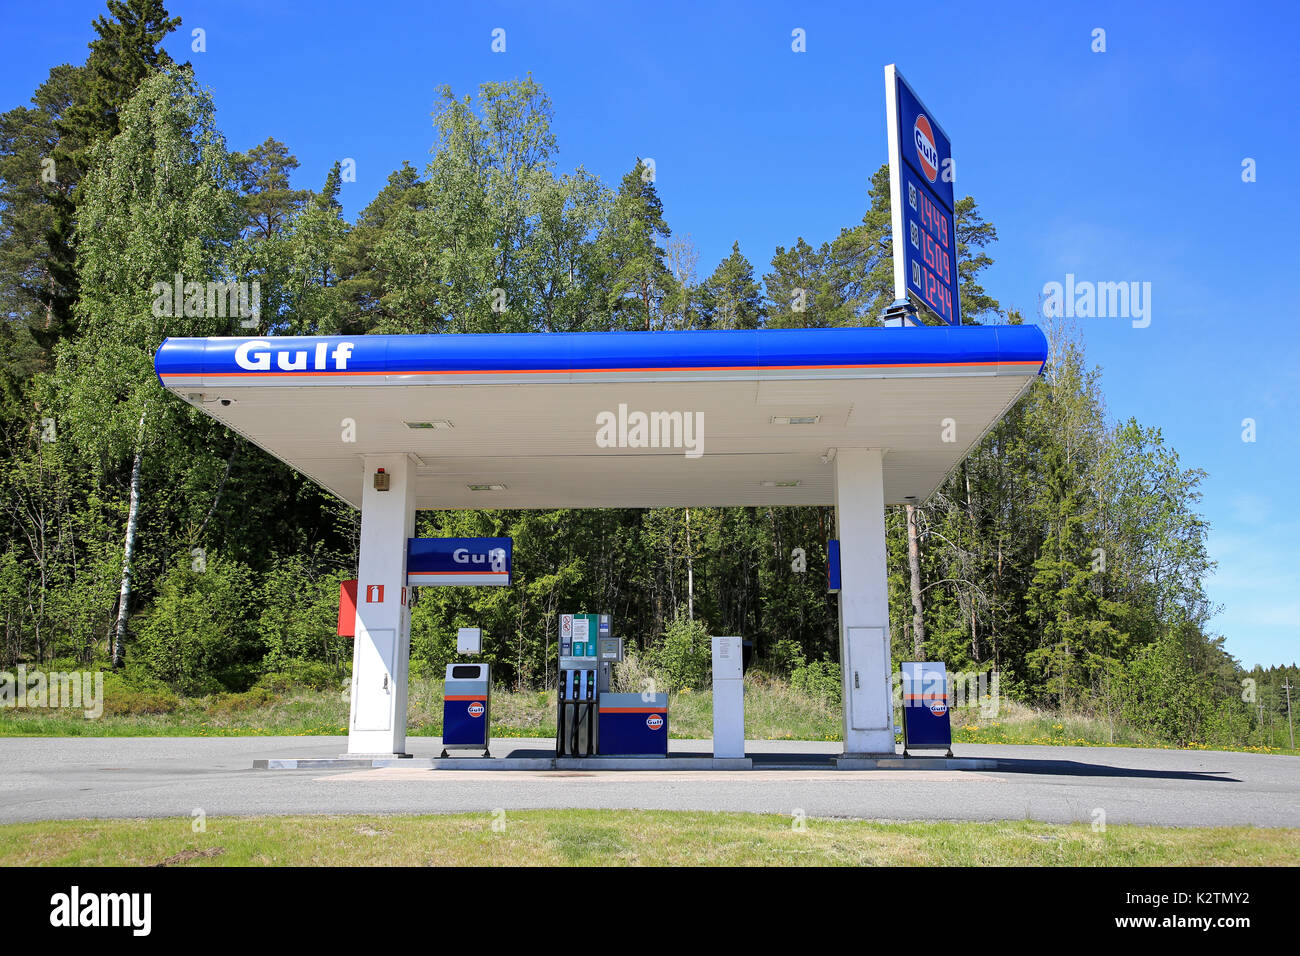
{"x": 486, "y": 487}
{"x": 796, "y": 419}
{"x": 439, "y": 423}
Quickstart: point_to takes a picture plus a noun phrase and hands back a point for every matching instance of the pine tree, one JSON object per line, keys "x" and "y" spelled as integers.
{"x": 35, "y": 284}
{"x": 124, "y": 53}
{"x": 268, "y": 199}
{"x": 730, "y": 298}
{"x": 638, "y": 278}
{"x": 794, "y": 289}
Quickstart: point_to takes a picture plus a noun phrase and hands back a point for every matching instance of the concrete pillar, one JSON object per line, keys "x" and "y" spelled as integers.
{"x": 377, "y": 724}
{"x": 864, "y": 601}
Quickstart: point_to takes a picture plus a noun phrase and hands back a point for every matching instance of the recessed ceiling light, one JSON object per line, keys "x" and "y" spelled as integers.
{"x": 486, "y": 487}
{"x": 781, "y": 484}
{"x": 796, "y": 419}
{"x": 438, "y": 423}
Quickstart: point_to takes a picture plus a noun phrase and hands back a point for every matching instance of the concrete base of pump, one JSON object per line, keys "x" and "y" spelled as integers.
{"x": 701, "y": 762}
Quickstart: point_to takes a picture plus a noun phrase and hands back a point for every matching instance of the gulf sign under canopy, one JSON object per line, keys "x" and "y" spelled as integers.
{"x": 458, "y": 561}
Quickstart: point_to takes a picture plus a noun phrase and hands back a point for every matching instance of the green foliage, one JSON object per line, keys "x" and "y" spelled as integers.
{"x": 126, "y": 698}
{"x": 730, "y": 298}
{"x": 685, "y": 654}
{"x": 298, "y": 624}
{"x": 639, "y": 280}
{"x": 1163, "y": 691}
{"x": 820, "y": 680}
{"x": 196, "y": 636}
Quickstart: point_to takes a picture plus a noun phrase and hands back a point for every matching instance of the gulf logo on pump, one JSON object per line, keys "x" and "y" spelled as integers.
{"x": 654, "y": 722}
{"x": 938, "y": 708}
{"x": 926, "y": 151}
{"x": 476, "y": 709}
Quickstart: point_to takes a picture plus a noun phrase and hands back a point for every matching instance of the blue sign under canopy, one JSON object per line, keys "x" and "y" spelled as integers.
{"x": 458, "y": 561}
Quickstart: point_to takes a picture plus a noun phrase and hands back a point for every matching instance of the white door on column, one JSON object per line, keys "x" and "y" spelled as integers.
{"x": 373, "y": 687}
{"x": 868, "y": 678}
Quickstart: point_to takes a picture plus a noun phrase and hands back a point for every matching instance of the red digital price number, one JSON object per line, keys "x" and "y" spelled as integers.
{"x": 933, "y": 219}
{"x": 936, "y": 293}
{"x": 931, "y": 258}
{"x": 935, "y": 257}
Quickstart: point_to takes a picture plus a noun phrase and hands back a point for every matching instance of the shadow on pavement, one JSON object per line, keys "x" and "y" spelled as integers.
{"x": 1073, "y": 768}
{"x": 1025, "y": 765}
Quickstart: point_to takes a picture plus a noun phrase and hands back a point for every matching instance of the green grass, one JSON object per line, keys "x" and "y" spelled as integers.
{"x": 630, "y": 838}
{"x": 1016, "y": 723}
{"x": 773, "y": 711}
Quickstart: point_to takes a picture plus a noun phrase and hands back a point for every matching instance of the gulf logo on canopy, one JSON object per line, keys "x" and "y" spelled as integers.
{"x": 654, "y": 722}
{"x": 476, "y": 709}
{"x": 926, "y": 151}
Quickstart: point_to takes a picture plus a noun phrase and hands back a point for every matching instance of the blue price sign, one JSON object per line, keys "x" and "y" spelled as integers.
{"x": 921, "y": 195}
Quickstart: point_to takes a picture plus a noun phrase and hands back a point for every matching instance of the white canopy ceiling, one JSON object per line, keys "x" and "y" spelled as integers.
{"x": 768, "y": 436}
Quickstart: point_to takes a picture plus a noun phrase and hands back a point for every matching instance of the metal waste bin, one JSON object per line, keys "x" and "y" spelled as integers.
{"x": 466, "y": 708}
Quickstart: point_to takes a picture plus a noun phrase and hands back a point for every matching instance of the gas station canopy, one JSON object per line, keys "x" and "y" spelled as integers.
{"x": 586, "y": 420}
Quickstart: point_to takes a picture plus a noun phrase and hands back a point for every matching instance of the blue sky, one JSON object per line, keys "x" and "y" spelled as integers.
{"x": 1117, "y": 166}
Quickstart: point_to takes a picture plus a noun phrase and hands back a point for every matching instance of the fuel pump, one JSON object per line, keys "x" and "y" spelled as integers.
{"x": 575, "y": 729}
{"x": 580, "y": 684}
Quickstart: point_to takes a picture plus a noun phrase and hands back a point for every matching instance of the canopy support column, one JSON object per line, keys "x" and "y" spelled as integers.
{"x": 382, "y": 646}
{"x": 864, "y": 602}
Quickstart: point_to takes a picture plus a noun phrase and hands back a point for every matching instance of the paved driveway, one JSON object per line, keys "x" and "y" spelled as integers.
{"x": 49, "y": 778}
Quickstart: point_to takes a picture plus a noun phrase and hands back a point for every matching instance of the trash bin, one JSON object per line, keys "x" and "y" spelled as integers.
{"x": 466, "y": 708}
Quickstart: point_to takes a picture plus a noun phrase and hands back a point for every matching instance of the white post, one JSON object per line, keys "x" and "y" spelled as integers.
{"x": 864, "y": 602}
{"x": 728, "y": 697}
{"x": 377, "y": 724}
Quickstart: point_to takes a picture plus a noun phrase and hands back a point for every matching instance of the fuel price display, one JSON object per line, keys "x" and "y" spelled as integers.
{"x": 921, "y": 192}
{"x": 931, "y": 252}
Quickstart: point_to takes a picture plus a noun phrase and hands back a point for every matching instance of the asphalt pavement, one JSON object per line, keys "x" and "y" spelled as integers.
{"x": 58, "y": 778}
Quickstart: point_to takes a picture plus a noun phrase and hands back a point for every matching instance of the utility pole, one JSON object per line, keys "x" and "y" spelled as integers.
{"x": 1286, "y": 686}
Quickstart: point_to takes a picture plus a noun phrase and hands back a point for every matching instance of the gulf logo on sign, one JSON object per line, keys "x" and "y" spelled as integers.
{"x": 476, "y": 709}
{"x": 938, "y": 708}
{"x": 654, "y": 722}
{"x": 926, "y": 151}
